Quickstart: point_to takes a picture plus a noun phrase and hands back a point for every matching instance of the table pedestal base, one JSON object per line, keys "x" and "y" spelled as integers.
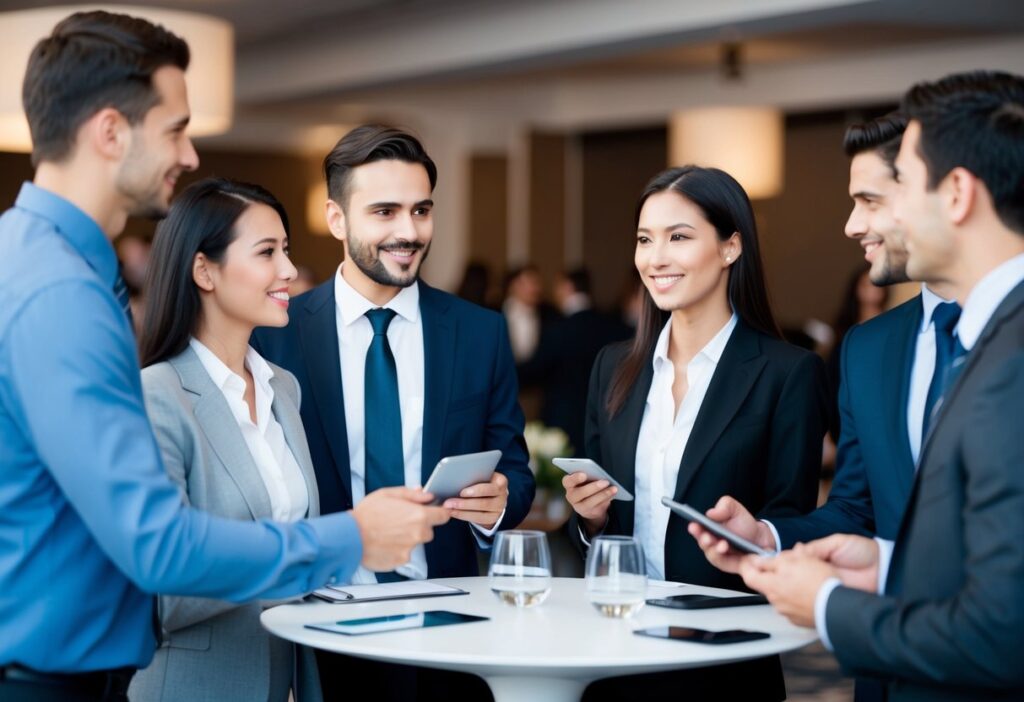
{"x": 507, "y": 688}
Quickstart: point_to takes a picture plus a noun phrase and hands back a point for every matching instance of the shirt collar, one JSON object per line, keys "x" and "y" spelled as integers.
{"x": 986, "y": 296}
{"x": 353, "y": 305}
{"x": 223, "y": 377}
{"x": 79, "y": 229}
{"x": 929, "y": 301}
{"x": 712, "y": 350}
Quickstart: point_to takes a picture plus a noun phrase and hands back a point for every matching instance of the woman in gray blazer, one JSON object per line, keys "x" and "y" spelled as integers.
{"x": 228, "y": 427}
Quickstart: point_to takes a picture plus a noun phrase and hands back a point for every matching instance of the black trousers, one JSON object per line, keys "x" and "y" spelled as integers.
{"x": 19, "y": 684}
{"x": 395, "y": 683}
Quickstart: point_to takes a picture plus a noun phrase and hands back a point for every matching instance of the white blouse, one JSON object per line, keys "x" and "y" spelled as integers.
{"x": 281, "y": 475}
{"x": 664, "y": 434}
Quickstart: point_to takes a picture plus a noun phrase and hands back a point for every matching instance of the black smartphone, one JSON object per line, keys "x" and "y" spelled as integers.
{"x": 707, "y": 601}
{"x": 685, "y": 633}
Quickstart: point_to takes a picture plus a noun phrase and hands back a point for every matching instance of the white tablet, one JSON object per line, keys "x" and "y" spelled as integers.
{"x": 592, "y": 471}
{"x": 453, "y": 474}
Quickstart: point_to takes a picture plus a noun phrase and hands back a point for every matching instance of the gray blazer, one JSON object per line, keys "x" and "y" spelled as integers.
{"x": 215, "y": 650}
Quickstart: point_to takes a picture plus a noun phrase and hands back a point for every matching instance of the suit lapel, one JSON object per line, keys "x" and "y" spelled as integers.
{"x": 439, "y": 332}
{"x": 287, "y": 415}
{"x": 734, "y": 376}
{"x": 901, "y": 347}
{"x": 219, "y": 426}
{"x": 319, "y": 338}
{"x": 626, "y": 425}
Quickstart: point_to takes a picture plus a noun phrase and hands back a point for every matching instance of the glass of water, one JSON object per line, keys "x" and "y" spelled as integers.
{"x": 616, "y": 576}
{"x": 520, "y": 570}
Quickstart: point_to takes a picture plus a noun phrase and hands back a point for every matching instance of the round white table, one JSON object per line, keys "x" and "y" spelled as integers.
{"x": 549, "y": 652}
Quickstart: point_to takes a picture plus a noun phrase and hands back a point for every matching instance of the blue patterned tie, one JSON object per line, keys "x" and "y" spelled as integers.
{"x": 385, "y": 464}
{"x": 947, "y": 350}
{"x": 124, "y": 298}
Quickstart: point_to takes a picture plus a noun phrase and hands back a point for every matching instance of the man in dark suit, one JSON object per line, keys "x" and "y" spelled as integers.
{"x": 396, "y": 375}
{"x": 561, "y": 364}
{"x": 945, "y": 619}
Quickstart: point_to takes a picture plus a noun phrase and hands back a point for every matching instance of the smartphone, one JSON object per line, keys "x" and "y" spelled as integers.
{"x": 684, "y": 633}
{"x": 453, "y": 474}
{"x": 707, "y": 601}
{"x": 735, "y": 540}
{"x": 396, "y": 622}
{"x": 592, "y": 471}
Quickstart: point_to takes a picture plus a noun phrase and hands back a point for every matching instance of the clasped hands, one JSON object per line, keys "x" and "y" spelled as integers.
{"x": 791, "y": 579}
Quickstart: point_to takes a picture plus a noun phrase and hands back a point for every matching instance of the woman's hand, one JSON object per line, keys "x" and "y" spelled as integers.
{"x": 589, "y": 499}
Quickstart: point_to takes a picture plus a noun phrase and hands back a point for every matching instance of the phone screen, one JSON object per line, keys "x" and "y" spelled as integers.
{"x": 683, "y": 633}
{"x": 396, "y": 622}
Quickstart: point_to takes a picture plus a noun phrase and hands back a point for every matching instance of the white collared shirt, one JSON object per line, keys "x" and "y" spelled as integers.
{"x": 281, "y": 475}
{"x": 664, "y": 433}
{"x": 985, "y": 297}
{"x": 921, "y": 371}
{"x": 405, "y": 336}
{"x": 523, "y": 328}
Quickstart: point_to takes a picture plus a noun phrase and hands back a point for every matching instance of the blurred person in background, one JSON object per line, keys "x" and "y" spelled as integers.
{"x": 707, "y": 399}
{"x": 475, "y": 285}
{"x": 526, "y": 312}
{"x": 133, "y": 254}
{"x": 561, "y": 365}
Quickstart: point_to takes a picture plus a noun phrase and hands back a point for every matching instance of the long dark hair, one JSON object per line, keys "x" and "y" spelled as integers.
{"x": 201, "y": 220}
{"x": 726, "y": 206}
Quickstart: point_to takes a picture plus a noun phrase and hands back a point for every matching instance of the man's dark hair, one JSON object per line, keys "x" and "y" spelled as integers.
{"x": 91, "y": 61}
{"x": 881, "y": 135}
{"x": 974, "y": 121}
{"x": 367, "y": 144}
{"x": 579, "y": 278}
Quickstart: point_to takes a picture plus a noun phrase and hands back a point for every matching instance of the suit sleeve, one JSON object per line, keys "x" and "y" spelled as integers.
{"x": 794, "y": 450}
{"x": 974, "y": 637}
{"x": 849, "y": 508}
{"x": 166, "y": 417}
{"x": 505, "y": 432}
{"x": 596, "y": 393}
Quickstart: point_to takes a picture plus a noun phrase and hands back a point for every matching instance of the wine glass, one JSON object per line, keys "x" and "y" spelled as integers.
{"x": 520, "y": 570}
{"x": 616, "y": 576}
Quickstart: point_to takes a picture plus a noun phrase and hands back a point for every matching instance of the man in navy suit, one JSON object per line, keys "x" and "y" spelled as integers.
{"x": 395, "y": 374}
{"x": 940, "y": 616}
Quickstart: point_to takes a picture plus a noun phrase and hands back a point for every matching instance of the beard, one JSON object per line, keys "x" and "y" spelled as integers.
{"x": 141, "y": 185}
{"x": 367, "y": 259}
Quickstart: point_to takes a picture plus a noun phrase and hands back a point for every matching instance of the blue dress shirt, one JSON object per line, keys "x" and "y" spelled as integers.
{"x": 90, "y": 525}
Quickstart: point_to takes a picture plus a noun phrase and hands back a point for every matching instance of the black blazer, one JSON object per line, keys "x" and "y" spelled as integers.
{"x": 757, "y": 437}
{"x": 951, "y": 623}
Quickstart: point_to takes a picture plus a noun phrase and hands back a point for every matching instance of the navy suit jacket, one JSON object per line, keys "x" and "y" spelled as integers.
{"x": 874, "y": 465}
{"x": 471, "y": 404}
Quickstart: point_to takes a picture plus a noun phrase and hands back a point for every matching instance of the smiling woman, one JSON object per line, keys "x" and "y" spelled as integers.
{"x": 228, "y": 426}
{"x": 706, "y": 401}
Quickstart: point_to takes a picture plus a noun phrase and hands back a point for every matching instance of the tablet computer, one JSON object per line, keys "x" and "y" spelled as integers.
{"x": 395, "y": 622}
{"x": 453, "y": 474}
{"x": 592, "y": 471}
{"x": 735, "y": 540}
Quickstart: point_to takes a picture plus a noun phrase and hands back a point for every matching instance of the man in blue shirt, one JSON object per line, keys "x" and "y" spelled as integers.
{"x": 90, "y": 525}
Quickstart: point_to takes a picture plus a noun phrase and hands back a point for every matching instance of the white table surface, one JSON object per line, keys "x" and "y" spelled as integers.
{"x": 548, "y": 652}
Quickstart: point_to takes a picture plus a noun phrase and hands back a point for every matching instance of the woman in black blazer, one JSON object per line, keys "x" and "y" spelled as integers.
{"x": 709, "y": 400}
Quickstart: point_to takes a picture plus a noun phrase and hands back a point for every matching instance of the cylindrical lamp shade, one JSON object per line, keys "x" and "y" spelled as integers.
{"x": 210, "y": 77}
{"x": 745, "y": 142}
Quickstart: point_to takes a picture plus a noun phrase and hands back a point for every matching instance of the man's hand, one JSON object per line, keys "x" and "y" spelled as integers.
{"x": 733, "y": 516}
{"x": 482, "y": 503}
{"x": 589, "y": 499}
{"x": 790, "y": 581}
{"x": 854, "y": 558}
{"x": 392, "y": 521}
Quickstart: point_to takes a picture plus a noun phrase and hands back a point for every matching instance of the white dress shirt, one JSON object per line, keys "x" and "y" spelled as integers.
{"x": 922, "y": 370}
{"x": 664, "y": 433}
{"x": 405, "y": 336}
{"x": 281, "y": 475}
{"x": 523, "y": 328}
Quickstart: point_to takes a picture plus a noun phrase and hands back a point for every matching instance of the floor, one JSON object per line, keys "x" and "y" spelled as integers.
{"x": 812, "y": 675}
